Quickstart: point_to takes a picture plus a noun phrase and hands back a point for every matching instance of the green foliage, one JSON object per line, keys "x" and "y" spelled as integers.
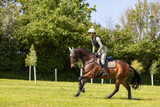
{"x": 54, "y": 25}
{"x": 47, "y": 64}
{"x": 50, "y": 23}
{"x": 143, "y": 21}
{"x": 31, "y": 59}
{"x": 27, "y": 61}
{"x": 138, "y": 36}
{"x": 8, "y": 49}
{"x": 138, "y": 66}
{"x": 154, "y": 68}
{"x": 80, "y": 63}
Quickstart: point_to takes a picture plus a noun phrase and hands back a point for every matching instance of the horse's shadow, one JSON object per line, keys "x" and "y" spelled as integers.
{"x": 138, "y": 99}
{"x": 131, "y": 99}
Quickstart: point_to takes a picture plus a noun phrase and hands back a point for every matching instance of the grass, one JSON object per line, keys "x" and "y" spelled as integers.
{"x": 21, "y": 93}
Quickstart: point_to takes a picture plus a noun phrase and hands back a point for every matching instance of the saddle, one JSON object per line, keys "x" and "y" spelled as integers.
{"x": 109, "y": 61}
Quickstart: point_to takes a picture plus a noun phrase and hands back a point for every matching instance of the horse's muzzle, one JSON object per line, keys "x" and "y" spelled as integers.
{"x": 74, "y": 66}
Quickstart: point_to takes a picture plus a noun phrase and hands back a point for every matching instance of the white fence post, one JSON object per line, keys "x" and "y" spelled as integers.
{"x": 81, "y": 71}
{"x": 91, "y": 80}
{"x": 56, "y": 75}
{"x": 152, "y": 79}
{"x": 102, "y": 81}
{"x": 35, "y": 75}
{"x": 29, "y": 73}
{"x": 110, "y": 81}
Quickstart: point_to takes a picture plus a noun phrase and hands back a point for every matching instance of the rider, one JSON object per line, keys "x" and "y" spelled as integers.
{"x": 97, "y": 43}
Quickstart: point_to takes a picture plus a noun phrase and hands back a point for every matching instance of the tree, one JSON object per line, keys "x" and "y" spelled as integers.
{"x": 142, "y": 24}
{"x": 52, "y": 26}
{"x": 50, "y": 23}
{"x": 143, "y": 21}
{"x": 138, "y": 66}
{"x": 31, "y": 60}
{"x": 8, "y": 49}
{"x": 154, "y": 69}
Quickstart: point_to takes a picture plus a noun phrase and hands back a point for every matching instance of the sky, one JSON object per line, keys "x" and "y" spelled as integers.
{"x": 110, "y": 10}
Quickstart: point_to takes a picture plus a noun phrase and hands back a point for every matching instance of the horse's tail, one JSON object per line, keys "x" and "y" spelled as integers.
{"x": 136, "y": 79}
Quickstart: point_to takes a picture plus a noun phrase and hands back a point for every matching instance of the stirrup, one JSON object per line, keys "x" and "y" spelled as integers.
{"x": 106, "y": 74}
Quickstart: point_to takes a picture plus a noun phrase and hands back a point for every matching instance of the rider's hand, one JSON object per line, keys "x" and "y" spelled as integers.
{"x": 96, "y": 54}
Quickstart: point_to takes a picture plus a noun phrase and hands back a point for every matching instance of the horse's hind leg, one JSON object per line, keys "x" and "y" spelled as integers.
{"x": 115, "y": 90}
{"x": 126, "y": 85}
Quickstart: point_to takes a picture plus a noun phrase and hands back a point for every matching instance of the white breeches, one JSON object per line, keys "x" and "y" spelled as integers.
{"x": 103, "y": 55}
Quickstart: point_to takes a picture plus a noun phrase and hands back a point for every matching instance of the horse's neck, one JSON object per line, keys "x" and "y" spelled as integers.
{"x": 85, "y": 55}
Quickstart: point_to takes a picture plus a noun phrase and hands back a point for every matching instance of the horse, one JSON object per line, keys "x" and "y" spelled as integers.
{"x": 91, "y": 69}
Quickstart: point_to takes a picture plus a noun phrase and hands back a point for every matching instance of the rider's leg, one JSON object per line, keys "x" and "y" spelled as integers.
{"x": 103, "y": 57}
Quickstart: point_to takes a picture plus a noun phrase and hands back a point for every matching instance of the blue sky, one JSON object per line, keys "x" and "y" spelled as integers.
{"x": 110, "y": 8}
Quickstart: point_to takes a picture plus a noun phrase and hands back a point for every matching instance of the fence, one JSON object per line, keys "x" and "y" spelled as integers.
{"x": 81, "y": 73}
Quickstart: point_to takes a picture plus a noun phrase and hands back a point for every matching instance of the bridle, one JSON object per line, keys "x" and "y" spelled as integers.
{"x": 76, "y": 59}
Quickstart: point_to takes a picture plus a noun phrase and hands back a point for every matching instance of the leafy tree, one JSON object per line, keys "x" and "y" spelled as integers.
{"x": 143, "y": 21}
{"x": 52, "y": 26}
{"x": 154, "y": 67}
{"x": 8, "y": 12}
{"x": 51, "y": 23}
{"x": 31, "y": 59}
{"x": 121, "y": 42}
{"x": 138, "y": 66}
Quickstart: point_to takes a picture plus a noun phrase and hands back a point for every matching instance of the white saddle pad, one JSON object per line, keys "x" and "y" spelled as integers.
{"x": 111, "y": 64}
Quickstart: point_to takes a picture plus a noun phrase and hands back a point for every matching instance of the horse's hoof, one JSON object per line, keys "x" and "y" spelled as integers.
{"x": 75, "y": 96}
{"x": 108, "y": 98}
{"x": 129, "y": 98}
{"x": 83, "y": 90}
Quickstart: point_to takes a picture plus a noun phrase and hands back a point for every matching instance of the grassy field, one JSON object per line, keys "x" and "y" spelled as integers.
{"x": 21, "y": 93}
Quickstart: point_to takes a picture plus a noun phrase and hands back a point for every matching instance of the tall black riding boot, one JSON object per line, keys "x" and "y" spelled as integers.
{"x": 106, "y": 69}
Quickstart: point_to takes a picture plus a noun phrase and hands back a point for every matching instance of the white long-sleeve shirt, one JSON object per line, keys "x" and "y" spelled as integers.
{"x": 101, "y": 49}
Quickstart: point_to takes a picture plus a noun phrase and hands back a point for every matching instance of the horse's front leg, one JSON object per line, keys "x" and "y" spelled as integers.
{"x": 77, "y": 94}
{"x": 81, "y": 84}
{"x": 84, "y": 78}
{"x": 79, "y": 90}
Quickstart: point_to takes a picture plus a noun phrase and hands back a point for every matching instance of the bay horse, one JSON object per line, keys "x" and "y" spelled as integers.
{"x": 91, "y": 70}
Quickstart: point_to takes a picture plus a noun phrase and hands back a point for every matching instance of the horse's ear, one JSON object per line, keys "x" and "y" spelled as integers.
{"x": 70, "y": 49}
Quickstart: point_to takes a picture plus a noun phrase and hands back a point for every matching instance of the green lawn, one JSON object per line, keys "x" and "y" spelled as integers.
{"x": 23, "y": 93}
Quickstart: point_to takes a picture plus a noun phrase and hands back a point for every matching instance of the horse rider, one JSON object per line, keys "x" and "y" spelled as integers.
{"x": 97, "y": 43}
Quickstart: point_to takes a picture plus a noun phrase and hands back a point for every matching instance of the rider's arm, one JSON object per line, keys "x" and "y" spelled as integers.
{"x": 93, "y": 48}
{"x": 100, "y": 44}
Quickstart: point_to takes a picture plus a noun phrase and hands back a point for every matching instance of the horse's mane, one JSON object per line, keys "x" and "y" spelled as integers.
{"x": 84, "y": 50}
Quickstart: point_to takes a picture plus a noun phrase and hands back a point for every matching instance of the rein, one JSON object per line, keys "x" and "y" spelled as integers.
{"x": 91, "y": 61}
{"x": 76, "y": 59}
